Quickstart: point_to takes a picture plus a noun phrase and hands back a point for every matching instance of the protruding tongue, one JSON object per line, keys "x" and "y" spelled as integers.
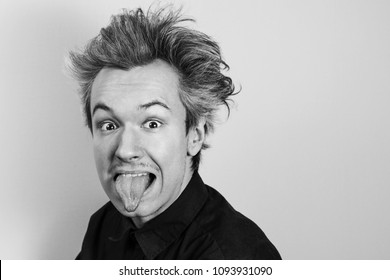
{"x": 131, "y": 190}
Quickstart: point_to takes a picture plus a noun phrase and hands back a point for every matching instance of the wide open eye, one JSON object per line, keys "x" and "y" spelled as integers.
{"x": 107, "y": 126}
{"x": 152, "y": 124}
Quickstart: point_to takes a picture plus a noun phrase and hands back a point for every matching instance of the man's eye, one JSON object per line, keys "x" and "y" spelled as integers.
{"x": 106, "y": 126}
{"x": 152, "y": 124}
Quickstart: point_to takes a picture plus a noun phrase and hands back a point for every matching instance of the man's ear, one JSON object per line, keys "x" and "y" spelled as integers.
{"x": 196, "y": 137}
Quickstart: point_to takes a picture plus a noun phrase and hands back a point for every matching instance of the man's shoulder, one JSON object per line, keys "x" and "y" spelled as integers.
{"x": 237, "y": 236}
{"x": 102, "y": 219}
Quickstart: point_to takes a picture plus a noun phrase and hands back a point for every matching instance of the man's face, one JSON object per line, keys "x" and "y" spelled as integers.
{"x": 139, "y": 138}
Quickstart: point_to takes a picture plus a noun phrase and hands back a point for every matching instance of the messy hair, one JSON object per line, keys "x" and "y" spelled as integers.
{"x": 134, "y": 38}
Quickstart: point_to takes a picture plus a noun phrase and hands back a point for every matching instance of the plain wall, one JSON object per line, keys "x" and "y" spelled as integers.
{"x": 305, "y": 152}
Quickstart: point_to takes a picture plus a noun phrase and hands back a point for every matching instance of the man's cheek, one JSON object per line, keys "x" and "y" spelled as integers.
{"x": 101, "y": 160}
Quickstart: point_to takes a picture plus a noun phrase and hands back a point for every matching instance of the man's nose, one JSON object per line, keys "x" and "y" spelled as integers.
{"x": 129, "y": 146}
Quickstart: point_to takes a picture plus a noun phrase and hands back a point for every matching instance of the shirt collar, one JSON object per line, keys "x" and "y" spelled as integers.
{"x": 157, "y": 234}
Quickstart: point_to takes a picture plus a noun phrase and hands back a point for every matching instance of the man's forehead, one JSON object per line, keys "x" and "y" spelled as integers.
{"x": 155, "y": 83}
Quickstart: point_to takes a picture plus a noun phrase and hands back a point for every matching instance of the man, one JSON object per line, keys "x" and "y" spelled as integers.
{"x": 150, "y": 88}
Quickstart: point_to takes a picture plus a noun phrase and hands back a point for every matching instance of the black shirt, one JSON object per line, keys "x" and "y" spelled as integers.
{"x": 200, "y": 224}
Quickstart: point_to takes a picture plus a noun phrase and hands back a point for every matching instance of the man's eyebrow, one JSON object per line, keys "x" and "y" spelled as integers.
{"x": 154, "y": 103}
{"x": 102, "y": 107}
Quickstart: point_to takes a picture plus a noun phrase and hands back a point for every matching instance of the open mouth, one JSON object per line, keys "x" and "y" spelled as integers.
{"x": 134, "y": 174}
{"x": 131, "y": 187}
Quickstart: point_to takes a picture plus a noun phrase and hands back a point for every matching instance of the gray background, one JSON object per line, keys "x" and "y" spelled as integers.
{"x": 305, "y": 153}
